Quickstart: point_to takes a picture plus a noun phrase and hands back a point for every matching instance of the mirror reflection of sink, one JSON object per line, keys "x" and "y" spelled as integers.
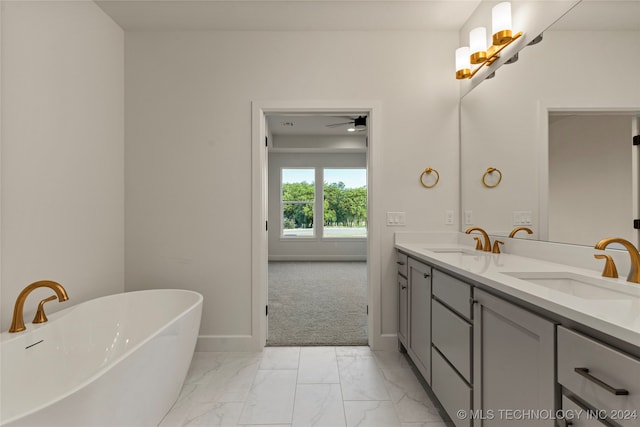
{"x": 572, "y": 284}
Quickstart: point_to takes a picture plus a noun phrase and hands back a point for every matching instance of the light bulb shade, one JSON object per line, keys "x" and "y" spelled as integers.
{"x": 501, "y": 23}
{"x": 463, "y": 64}
{"x": 478, "y": 45}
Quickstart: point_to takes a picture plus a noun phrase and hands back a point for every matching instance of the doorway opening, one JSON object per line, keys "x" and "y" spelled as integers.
{"x": 317, "y": 281}
{"x": 593, "y": 173}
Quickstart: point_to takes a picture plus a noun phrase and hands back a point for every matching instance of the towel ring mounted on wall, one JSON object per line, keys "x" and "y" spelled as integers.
{"x": 490, "y": 171}
{"x": 429, "y": 171}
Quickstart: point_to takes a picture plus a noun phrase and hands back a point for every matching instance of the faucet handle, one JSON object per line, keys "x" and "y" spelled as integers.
{"x": 40, "y": 317}
{"x": 496, "y": 246}
{"x": 478, "y": 243}
{"x": 609, "y": 266}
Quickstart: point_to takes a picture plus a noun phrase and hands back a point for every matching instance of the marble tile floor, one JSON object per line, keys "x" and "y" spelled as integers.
{"x": 303, "y": 386}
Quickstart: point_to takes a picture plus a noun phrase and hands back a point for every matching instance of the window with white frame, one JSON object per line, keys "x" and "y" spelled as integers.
{"x": 342, "y": 213}
{"x": 345, "y": 202}
{"x": 297, "y": 193}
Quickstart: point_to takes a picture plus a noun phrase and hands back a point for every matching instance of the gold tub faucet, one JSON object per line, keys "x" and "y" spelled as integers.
{"x": 487, "y": 242}
{"x": 634, "y": 271}
{"x": 515, "y": 230}
{"x": 17, "y": 323}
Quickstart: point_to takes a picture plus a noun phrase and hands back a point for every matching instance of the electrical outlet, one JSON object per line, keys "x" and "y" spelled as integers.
{"x": 468, "y": 217}
{"x": 448, "y": 217}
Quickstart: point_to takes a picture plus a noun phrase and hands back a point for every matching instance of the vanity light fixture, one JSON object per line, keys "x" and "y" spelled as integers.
{"x": 478, "y": 53}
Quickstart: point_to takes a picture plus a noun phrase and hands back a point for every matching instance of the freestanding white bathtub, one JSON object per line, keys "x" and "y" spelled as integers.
{"x": 119, "y": 360}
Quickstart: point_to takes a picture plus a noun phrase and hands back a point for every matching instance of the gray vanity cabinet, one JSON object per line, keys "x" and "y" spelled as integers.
{"x": 420, "y": 316}
{"x": 513, "y": 361}
{"x": 600, "y": 376}
{"x": 576, "y": 416}
{"x": 451, "y": 340}
{"x": 403, "y": 312}
{"x": 403, "y": 299}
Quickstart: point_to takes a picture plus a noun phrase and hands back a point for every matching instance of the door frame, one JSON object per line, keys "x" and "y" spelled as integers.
{"x": 259, "y": 207}
{"x": 542, "y": 138}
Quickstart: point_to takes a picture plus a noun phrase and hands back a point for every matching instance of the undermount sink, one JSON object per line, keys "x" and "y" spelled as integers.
{"x": 572, "y": 284}
{"x": 456, "y": 251}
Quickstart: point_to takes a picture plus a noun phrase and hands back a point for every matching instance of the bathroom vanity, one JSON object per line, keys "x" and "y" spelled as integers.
{"x": 505, "y": 339}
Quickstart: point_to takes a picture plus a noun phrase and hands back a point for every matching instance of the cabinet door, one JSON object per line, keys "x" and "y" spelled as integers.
{"x": 403, "y": 310}
{"x": 513, "y": 363}
{"x": 420, "y": 317}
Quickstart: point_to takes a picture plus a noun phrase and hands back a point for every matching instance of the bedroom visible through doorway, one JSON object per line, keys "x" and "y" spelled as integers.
{"x": 317, "y": 214}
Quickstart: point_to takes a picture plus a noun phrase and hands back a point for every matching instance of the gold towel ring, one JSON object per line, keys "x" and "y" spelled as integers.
{"x": 488, "y": 172}
{"x": 428, "y": 171}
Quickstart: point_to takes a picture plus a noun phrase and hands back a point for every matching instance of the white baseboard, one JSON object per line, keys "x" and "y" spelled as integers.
{"x": 227, "y": 343}
{"x": 386, "y": 342}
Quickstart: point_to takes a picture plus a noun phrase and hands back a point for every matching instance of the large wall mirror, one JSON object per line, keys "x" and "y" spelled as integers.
{"x": 558, "y": 125}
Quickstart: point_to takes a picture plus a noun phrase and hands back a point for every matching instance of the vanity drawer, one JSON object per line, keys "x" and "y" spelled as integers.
{"x": 453, "y": 292}
{"x": 402, "y": 261}
{"x": 604, "y": 370}
{"x": 576, "y": 416}
{"x": 452, "y": 336}
{"x": 453, "y": 393}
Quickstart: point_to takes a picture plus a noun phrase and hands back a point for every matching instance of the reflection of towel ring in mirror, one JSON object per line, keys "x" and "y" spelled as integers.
{"x": 428, "y": 171}
{"x": 489, "y": 172}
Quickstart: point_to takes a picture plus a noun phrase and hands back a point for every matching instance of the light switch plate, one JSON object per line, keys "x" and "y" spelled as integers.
{"x": 396, "y": 218}
{"x": 522, "y": 217}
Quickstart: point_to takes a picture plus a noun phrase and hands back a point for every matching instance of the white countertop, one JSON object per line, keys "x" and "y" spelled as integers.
{"x": 611, "y": 306}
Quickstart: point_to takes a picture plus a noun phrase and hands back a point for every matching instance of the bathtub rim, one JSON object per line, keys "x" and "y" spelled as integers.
{"x": 31, "y": 328}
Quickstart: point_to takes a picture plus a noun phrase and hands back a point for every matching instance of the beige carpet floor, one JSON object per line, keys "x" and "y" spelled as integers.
{"x": 317, "y": 303}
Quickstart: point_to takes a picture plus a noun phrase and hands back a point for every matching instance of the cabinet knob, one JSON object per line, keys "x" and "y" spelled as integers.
{"x": 426, "y": 275}
{"x": 472, "y": 301}
{"x": 399, "y": 262}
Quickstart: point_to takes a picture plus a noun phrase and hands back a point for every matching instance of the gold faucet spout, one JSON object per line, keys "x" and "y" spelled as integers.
{"x": 17, "y": 323}
{"x": 515, "y": 230}
{"x": 487, "y": 242}
{"x": 634, "y": 271}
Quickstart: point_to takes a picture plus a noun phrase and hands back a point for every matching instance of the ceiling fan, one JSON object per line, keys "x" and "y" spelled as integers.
{"x": 358, "y": 124}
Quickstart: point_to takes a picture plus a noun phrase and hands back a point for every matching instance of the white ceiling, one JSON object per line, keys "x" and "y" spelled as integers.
{"x": 283, "y": 15}
{"x": 318, "y": 15}
{"x": 329, "y": 15}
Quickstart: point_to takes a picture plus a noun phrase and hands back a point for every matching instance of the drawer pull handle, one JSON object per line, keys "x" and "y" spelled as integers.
{"x": 399, "y": 262}
{"x": 617, "y": 391}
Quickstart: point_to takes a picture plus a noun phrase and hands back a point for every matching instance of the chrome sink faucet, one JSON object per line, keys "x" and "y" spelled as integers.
{"x": 487, "y": 242}
{"x": 634, "y": 271}
{"x": 17, "y": 324}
